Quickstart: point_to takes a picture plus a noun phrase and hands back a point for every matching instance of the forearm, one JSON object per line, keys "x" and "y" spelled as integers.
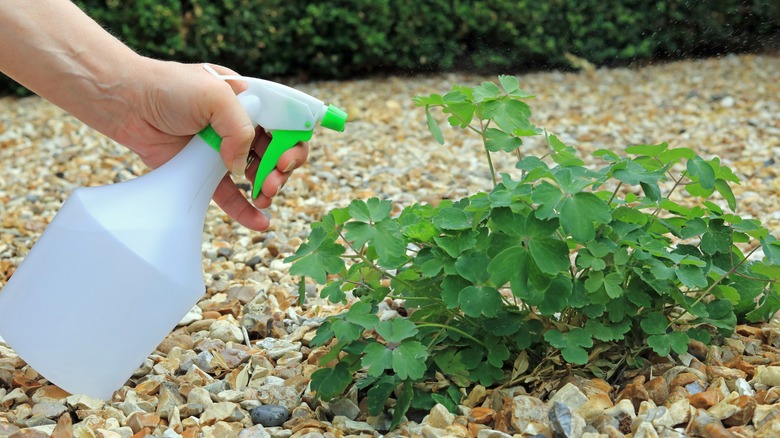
{"x": 55, "y": 50}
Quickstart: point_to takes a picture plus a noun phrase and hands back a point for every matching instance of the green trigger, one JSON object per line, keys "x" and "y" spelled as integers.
{"x": 281, "y": 141}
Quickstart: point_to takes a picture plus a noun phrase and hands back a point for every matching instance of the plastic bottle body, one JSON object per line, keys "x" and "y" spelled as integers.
{"x": 112, "y": 275}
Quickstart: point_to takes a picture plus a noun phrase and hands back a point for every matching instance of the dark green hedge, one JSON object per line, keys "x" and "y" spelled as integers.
{"x": 344, "y": 38}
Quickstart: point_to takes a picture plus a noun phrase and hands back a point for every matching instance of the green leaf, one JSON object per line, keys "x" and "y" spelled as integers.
{"x": 360, "y": 314}
{"x": 613, "y": 284}
{"x": 377, "y": 358}
{"x": 497, "y": 140}
{"x": 476, "y": 301}
{"x": 608, "y": 332}
{"x": 402, "y": 403}
{"x": 508, "y": 114}
{"x": 433, "y": 99}
{"x": 551, "y": 255}
{"x": 359, "y": 232}
{"x": 451, "y": 218}
{"x": 506, "y": 264}
{"x": 329, "y": 383}
{"x": 548, "y": 197}
{"x": 317, "y": 257}
{"x": 372, "y": 210}
{"x": 333, "y": 292}
{"x": 473, "y": 267}
{"x": 510, "y": 84}
{"x": 497, "y": 355}
{"x": 702, "y": 172}
{"x": 771, "y": 247}
{"x": 450, "y": 362}
{"x": 486, "y": 374}
{"x": 691, "y": 276}
{"x": 488, "y": 90}
{"x": 663, "y": 344}
{"x": 379, "y": 393}
{"x": 654, "y": 323}
{"x": 433, "y": 127}
{"x": 579, "y": 212}
{"x": 725, "y": 190}
{"x": 409, "y": 360}
{"x": 571, "y": 344}
{"x": 346, "y": 331}
{"x": 396, "y": 329}
{"x": 388, "y": 243}
{"x": 651, "y": 150}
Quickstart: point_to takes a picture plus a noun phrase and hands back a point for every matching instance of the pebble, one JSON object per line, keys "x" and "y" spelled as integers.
{"x": 270, "y": 415}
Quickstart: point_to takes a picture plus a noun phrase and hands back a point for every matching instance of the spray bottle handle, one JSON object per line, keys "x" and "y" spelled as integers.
{"x": 281, "y": 141}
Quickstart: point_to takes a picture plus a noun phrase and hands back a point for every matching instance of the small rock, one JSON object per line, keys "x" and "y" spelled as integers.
{"x": 352, "y": 427}
{"x": 706, "y": 399}
{"x": 746, "y": 406}
{"x": 768, "y": 376}
{"x": 702, "y": 424}
{"x": 256, "y": 431}
{"x": 195, "y": 314}
{"x": 226, "y": 330}
{"x": 344, "y": 407}
{"x": 570, "y": 395}
{"x": 482, "y": 415}
{"x": 645, "y": 430}
{"x": 276, "y": 348}
{"x": 49, "y": 409}
{"x": 440, "y": 417}
{"x": 269, "y": 415}
{"x": 564, "y": 423}
{"x": 140, "y": 420}
{"x": 658, "y": 390}
{"x": 527, "y": 409}
{"x": 81, "y": 401}
{"x": 222, "y": 411}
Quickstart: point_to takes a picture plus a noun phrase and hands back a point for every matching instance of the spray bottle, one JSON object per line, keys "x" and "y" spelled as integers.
{"x": 120, "y": 265}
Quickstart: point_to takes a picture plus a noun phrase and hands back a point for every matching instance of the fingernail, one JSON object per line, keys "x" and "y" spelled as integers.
{"x": 293, "y": 164}
{"x": 279, "y": 190}
{"x": 239, "y": 166}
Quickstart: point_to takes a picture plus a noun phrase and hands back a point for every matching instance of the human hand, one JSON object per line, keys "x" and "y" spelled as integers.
{"x": 173, "y": 101}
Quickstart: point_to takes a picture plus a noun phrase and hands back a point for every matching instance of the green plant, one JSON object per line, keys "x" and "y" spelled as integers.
{"x": 560, "y": 262}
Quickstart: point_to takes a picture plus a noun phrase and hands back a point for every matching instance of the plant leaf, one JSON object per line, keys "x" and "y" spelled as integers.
{"x": 579, "y": 212}
{"x": 476, "y": 301}
{"x": 328, "y": 383}
{"x": 409, "y": 360}
{"x": 377, "y": 358}
{"x": 396, "y": 329}
{"x": 433, "y": 126}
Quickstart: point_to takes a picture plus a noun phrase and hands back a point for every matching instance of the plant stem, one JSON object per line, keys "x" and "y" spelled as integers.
{"x": 707, "y": 291}
{"x": 458, "y": 331}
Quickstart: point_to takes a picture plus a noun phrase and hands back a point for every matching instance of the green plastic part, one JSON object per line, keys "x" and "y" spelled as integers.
{"x": 281, "y": 141}
{"x": 334, "y": 118}
{"x": 210, "y": 136}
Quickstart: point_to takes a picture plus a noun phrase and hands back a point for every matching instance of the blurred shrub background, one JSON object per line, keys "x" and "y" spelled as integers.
{"x": 335, "y": 39}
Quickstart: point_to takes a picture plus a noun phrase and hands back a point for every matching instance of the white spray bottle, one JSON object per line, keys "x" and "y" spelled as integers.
{"x": 120, "y": 265}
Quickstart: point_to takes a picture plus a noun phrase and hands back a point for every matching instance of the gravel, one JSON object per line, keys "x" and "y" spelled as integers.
{"x": 245, "y": 345}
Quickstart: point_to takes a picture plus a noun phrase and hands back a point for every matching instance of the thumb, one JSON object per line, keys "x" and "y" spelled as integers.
{"x": 231, "y": 122}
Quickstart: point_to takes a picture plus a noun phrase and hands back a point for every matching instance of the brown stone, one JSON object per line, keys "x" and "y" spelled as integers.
{"x": 482, "y": 415}
{"x": 714, "y": 372}
{"x": 767, "y": 397}
{"x": 143, "y": 433}
{"x": 148, "y": 387}
{"x": 211, "y": 314}
{"x": 140, "y": 420}
{"x": 747, "y": 406}
{"x": 29, "y": 433}
{"x": 180, "y": 339}
{"x": 704, "y": 425}
{"x": 50, "y": 393}
{"x": 64, "y": 427}
{"x": 634, "y": 392}
{"x": 698, "y": 349}
{"x": 705, "y": 399}
{"x": 658, "y": 390}
{"x": 191, "y": 432}
{"x": 682, "y": 379}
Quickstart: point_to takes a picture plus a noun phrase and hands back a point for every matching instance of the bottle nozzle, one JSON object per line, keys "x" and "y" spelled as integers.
{"x": 334, "y": 118}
